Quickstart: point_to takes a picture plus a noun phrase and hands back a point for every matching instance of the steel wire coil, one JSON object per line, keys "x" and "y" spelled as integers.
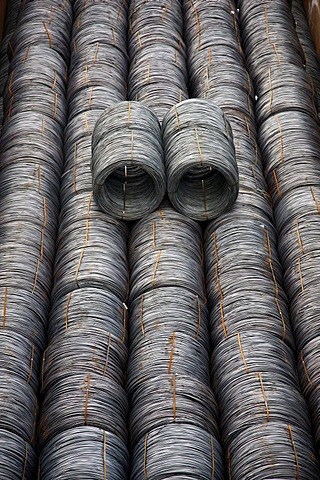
{"x": 177, "y": 451}
{"x": 17, "y": 458}
{"x": 290, "y": 158}
{"x": 287, "y": 88}
{"x": 18, "y": 406}
{"x": 128, "y": 174}
{"x": 167, "y": 399}
{"x": 200, "y": 184}
{"x": 10, "y": 21}
{"x": 146, "y": 318}
{"x": 20, "y": 310}
{"x": 157, "y": 73}
{"x": 173, "y": 352}
{"x": 165, "y": 250}
{"x": 19, "y": 357}
{"x": 43, "y": 23}
{"x": 84, "y": 452}
{"x": 91, "y": 247}
{"x": 306, "y": 41}
{"x": 86, "y": 399}
{"x": 276, "y": 43}
{"x": 248, "y": 392}
{"x": 277, "y": 450}
{"x": 104, "y": 354}
{"x": 97, "y": 310}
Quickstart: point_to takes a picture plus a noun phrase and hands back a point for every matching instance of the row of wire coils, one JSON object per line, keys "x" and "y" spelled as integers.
{"x": 173, "y": 414}
{"x": 134, "y": 161}
{"x": 253, "y": 368}
{"x": 31, "y": 152}
{"x": 84, "y": 406}
{"x": 289, "y": 138}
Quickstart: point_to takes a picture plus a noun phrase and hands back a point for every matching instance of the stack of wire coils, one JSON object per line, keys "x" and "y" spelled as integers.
{"x": 12, "y": 11}
{"x": 265, "y": 425}
{"x": 31, "y": 157}
{"x": 83, "y": 421}
{"x": 306, "y": 41}
{"x": 173, "y": 416}
{"x": 289, "y": 136}
{"x": 158, "y": 73}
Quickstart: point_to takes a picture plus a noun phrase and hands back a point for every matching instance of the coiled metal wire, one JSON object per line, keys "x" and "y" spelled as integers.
{"x": 253, "y": 371}
{"x": 289, "y": 141}
{"x": 128, "y": 174}
{"x": 157, "y": 74}
{"x": 165, "y": 251}
{"x": 202, "y": 174}
{"x": 31, "y": 158}
{"x": 17, "y": 458}
{"x": 84, "y": 452}
{"x": 177, "y": 450}
{"x": 306, "y": 41}
{"x": 84, "y": 366}
{"x": 168, "y": 377}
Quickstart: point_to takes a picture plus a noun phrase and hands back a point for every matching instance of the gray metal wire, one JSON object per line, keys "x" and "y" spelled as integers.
{"x": 17, "y": 458}
{"x": 202, "y": 173}
{"x": 84, "y": 452}
{"x": 157, "y": 74}
{"x": 128, "y": 173}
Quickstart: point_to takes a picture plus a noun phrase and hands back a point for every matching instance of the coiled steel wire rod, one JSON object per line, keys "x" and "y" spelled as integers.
{"x": 290, "y": 142}
{"x": 83, "y": 418}
{"x": 31, "y": 157}
{"x": 244, "y": 276}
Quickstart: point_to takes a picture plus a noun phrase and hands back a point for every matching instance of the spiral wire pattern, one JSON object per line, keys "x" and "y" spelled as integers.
{"x": 31, "y": 158}
{"x": 289, "y": 142}
{"x": 202, "y": 173}
{"x": 84, "y": 405}
{"x": 264, "y": 421}
{"x": 128, "y": 173}
{"x": 173, "y": 417}
{"x": 158, "y": 73}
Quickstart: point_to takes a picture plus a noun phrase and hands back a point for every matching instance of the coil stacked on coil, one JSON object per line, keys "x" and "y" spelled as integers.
{"x": 253, "y": 372}
{"x": 128, "y": 172}
{"x": 306, "y": 41}
{"x": 290, "y": 141}
{"x": 31, "y": 157}
{"x": 12, "y": 11}
{"x": 83, "y": 421}
{"x": 172, "y": 405}
{"x": 202, "y": 174}
{"x": 157, "y": 76}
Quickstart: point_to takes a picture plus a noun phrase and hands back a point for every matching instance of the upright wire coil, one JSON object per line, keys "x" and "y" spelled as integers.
{"x": 128, "y": 173}
{"x": 202, "y": 174}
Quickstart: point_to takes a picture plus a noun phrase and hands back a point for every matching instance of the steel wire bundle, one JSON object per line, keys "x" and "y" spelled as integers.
{"x": 157, "y": 75}
{"x": 173, "y": 417}
{"x": 202, "y": 174}
{"x": 253, "y": 372}
{"x": 128, "y": 174}
{"x": 83, "y": 418}
{"x": 31, "y": 157}
{"x": 290, "y": 145}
